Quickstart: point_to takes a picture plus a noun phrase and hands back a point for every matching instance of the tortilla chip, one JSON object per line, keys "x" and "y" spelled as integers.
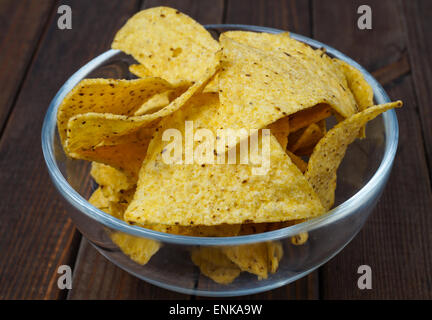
{"x": 254, "y": 228}
{"x": 112, "y": 202}
{"x": 111, "y": 178}
{"x": 323, "y": 126}
{"x": 362, "y": 91}
{"x": 140, "y": 71}
{"x": 99, "y": 137}
{"x": 306, "y": 117}
{"x": 120, "y": 97}
{"x": 222, "y": 230}
{"x": 300, "y": 239}
{"x": 330, "y": 150}
{"x": 213, "y": 194}
{"x": 280, "y": 129}
{"x": 275, "y": 254}
{"x": 116, "y": 191}
{"x": 257, "y": 88}
{"x": 299, "y": 58}
{"x": 138, "y": 249}
{"x": 252, "y": 258}
{"x": 99, "y": 201}
{"x": 213, "y": 85}
{"x": 215, "y": 265}
{"x": 168, "y": 43}
{"x": 127, "y": 155}
{"x": 299, "y": 162}
{"x": 308, "y": 139}
{"x": 154, "y": 104}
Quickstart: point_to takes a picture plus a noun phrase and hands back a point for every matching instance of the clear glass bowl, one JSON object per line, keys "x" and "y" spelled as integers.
{"x": 361, "y": 179}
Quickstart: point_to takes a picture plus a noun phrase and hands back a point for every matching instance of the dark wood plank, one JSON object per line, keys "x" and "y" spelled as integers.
{"x": 205, "y": 12}
{"x": 35, "y": 233}
{"x": 335, "y": 23}
{"x": 124, "y": 285}
{"x": 21, "y": 23}
{"x": 396, "y": 240}
{"x": 291, "y": 16}
{"x": 419, "y": 35}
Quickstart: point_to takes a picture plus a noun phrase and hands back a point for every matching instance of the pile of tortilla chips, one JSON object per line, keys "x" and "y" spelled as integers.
{"x": 245, "y": 81}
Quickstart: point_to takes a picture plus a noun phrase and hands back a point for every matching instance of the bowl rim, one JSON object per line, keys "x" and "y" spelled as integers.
{"x": 345, "y": 209}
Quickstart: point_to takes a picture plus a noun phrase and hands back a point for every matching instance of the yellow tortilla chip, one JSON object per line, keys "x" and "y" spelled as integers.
{"x": 140, "y": 71}
{"x": 215, "y": 265}
{"x": 115, "y": 200}
{"x": 99, "y": 201}
{"x": 99, "y": 137}
{"x": 308, "y": 139}
{"x": 91, "y": 129}
{"x": 127, "y": 155}
{"x": 138, "y": 249}
{"x": 168, "y": 43}
{"x": 299, "y": 162}
{"x": 252, "y": 258}
{"x": 280, "y": 129}
{"x": 254, "y": 228}
{"x": 116, "y": 207}
{"x": 212, "y": 194}
{"x": 362, "y": 91}
{"x": 304, "y": 118}
{"x": 161, "y": 100}
{"x": 259, "y": 86}
{"x": 275, "y": 254}
{"x": 300, "y": 239}
{"x": 108, "y": 176}
{"x": 222, "y": 230}
{"x": 120, "y": 97}
{"x": 330, "y": 150}
{"x": 154, "y": 104}
{"x": 213, "y": 85}
{"x": 323, "y": 125}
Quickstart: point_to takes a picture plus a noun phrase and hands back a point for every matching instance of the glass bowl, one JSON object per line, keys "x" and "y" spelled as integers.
{"x": 361, "y": 180}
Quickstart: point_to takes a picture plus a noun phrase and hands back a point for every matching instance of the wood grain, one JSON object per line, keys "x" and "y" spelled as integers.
{"x": 36, "y": 233}
{"x": 396, "y": 239}
{"x": 290, "y": 15}
{"x": 418, "y": 23}
{"x": 205, "y": 12}
{"x": 21, "y": 25}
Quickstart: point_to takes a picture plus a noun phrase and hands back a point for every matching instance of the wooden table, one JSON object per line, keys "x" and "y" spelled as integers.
{"x": 36, "y": 235}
